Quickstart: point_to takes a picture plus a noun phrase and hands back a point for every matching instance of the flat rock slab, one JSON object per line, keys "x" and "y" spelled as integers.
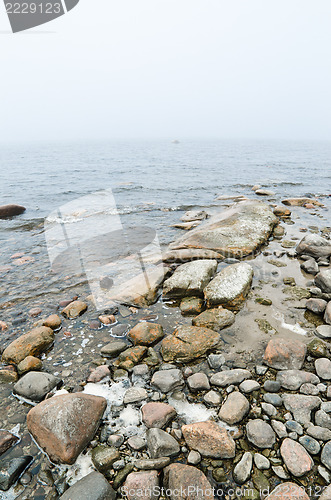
{"x": 296, "y": 458}
{"x": 190, "y": 279}
{"x": 230, "y": 287}
{"x": 288, "y": 491}
{"x": 301, "y": 202}
{"x": 32, "y": 343}
{"x": 285, "y": 354}
{"x": 314, "y": 245}
{"x": 236, "y": 232}
{"x": 35, "y": 385}
{"x": 209, "y": 440}
{"x": 215, "y": 319}
{"x": 188, "y": 254}
{"x": 94, "y": 486}
{"x": 188, "y": 343}
{"x": 56, "y": 428}
{"x": 180, "y": 477}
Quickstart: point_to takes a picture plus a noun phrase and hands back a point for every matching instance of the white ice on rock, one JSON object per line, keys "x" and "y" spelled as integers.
{"x": 191, "y": 412}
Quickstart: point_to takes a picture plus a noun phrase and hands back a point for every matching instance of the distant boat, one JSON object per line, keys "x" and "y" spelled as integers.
{"x": 175, "y": 141}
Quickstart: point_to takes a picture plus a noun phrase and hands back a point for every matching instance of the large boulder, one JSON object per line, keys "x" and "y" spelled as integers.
{"x": 190, "y": 279}
{"x": 230, "y": 287}
{"x": 314, "y": 245}
{"x": 32, "y": 343}
{"x": 285, "y": 354}
{"x": 209, "y": 439}
{"x": 180, "y": 478}
{"x": 188, "y": 343}
{"x": 323, "y": 280}
{"x": 64, "y": 425}
{"x": 11, "y": 211}
{"x": 235, "y": 232}
{"x": 94, "y": 486}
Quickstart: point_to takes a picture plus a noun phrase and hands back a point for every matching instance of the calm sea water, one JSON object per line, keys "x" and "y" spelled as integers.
{"x": 153, "y": 183}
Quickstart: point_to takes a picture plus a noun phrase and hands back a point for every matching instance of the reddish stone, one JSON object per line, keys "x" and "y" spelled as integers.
{"x": 289, "y": 491}
{"x": 7, "y": 440}
{"x": 285, "y": 354}
{"x": 146, "y": 333}
{"x": 180, "y": 479}
{"x": 157, "y": 414}
{"x": 296, "y": 458}
{"x": 98, "y": 374}
{"x": 141, "y": 485}
{"x": 209, "y": 440}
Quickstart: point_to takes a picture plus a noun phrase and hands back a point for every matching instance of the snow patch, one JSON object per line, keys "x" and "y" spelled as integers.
{"x": 192, "y": 412}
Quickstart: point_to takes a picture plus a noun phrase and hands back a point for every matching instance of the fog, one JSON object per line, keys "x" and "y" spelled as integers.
{"x": 175, "y": 69}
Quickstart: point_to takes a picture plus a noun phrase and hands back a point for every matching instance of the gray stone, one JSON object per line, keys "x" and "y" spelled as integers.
{"x": 316, "y": 306}
{"x": 229, "y": 377}
{"x": 327, "y": 314}
{"x": 168, "y": 380}
{"x": 261, "y": 370}
{"x": 198, "y": 382}
{"x": 324, "y": 331}
{"x": 115, "y": 440}
{"x": 135, "y": 395}
{"x": 322, "y": 419}
{"x": 260, "y": 434}
{"x": 242, "y": 470}
{"x": 323, "y": 280}
{"x": 271, "y": 385}
{"x": 314, "y": 245}
{"x": 293, "y": 426}
{"x": 269, "y": 409}
{"x": 114, "y": 348}
{"x": 161, "y": 444}
{"x": 310, "y": 266}
{"x": 215, "y": 361}
{"x": 11, "y": 469}
{"x": 326, "y": 406}
{"x": 320, "y": 433}
{"x": 293, "y": 379}
{"x": 136, "y": 443}
{"x": 152, "y": 463}
{"x": 326, "y": 455}
{"x": 279, "y": 428}
{"x": 311, "y": 445}
{"x": 212, "y": 398}
{"x": 192, "y": 215}
{"x": 323, "y": 368}
{"x": 248, "y": 386}
{"x": 190, "y": 279}
{"x": 194, "y": 457}
{"x": 310, "y": 389}
{"x": 301, "y": 406}
{"x": 261, "y": 462}
{"x": 234, "y": 409}
{"x": 35, "y": 385}
{"x": 103, "y": 457}
{"x": 273, "y": 399}
{"x": 326, "y": 495}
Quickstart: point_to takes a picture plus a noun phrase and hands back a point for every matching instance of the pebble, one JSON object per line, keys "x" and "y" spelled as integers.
{"x": 323, "y": 368}
{"x": 212, "y": 398}
{"x": 293, "y": 426}
{"x": 249, "y": 386}
{"x": 261, "y": 462}
{"x": 326, "y": 455}
{"x": 272, "y": 385}
{"x": 198, "y": 382}
{"x": 161, "y": 444}
{"x": 273, "y": 399}
{"x": 234, "y": 409}
{"x": 168, "y": 380}
{"x": 215, "y": 361}
{"x": 260, "y": 434}
{"x": 229, "y": 377}
{"x": 296, "y": 458}
{"x": 324, "y": 331}
{"x": 136, "y": 443}
{"x": 194, "y": 458}
{"x": 279, "y": 428}
{"x": 320, "y": 433}
{"x": 242, "y": 470}
{"x": 311, "y": 445}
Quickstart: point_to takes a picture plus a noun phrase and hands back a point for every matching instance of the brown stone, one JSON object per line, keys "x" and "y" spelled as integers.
{"x": 300, "y": 202}
{"x": 191, "y": 305}
{"x": 285, "y": 354}
{"x": 209, "y": 440}
{"x": 280, "y": 211}
{"x": 187, "y": 483}
{"x": 215, "y": 319}
{"x": 141, "y": 485}
{"x": 8, "y": 374}
{"x": 146, "y": 333}
{"x": 157, "y": 414}
{"x": 131, "y": 357}
{"x": 107, "y": 320}
{"x": 289, "y": 491}
{"x": 98, "y": 374}
{"x": 7, "y": 440}
{"x": 74, "y": 309}
{"x": 64, "y": 425}
{"x": 32, "y": 343}
{"x": 28, "y": 364}
{"x": 53, "y": 321}
{"x": 188, "y": 343}
{"x": 11, "y": 211}
{"x": 3, "y": 326}
{"x": 35, "y": 311}
{"x": 296, "y": 458}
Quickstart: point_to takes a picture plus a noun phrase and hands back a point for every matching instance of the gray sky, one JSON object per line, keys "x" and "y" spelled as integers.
{"x": 170, "y": 68}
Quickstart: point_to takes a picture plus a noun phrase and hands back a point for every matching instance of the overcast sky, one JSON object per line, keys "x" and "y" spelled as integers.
{"x": 170, "y": 68}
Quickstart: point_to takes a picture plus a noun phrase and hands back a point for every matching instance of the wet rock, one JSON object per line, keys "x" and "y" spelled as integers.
{"x": 7, "y": 440}
{"x": 215, "y": 319}
{"x": 146, "y": 334}
{"x": 316, "y": 306}
{"x": 11, "y": 211}
{"x": 168, "y": 380}
{"x": 323, "y": 368}
{"x": 301, "y": 202}
{"x": 323, "y": 280}
{"x": 282, "y": 212}
{"x": 314, "y": 245}
{"x": 32, "y": 343}
{"x": 317, "y": 348}
{"x": 288, "y": 491}
{"x": 98, "y": 374}
{"x": 209, "y": 440}
{"x": 141, "y": 485}
{"x": 230, "y": 287}
{"x": 53, "y": 321}
{"x": 35, "y": 311}
{"x": 107, "y": 319}
{"x": 188, "y": 254}
{"x": 3, "y": 326}
{"x": 103, "y": 457}
{"x": 30, "y": 363}
{"x": 186, "y": 225}
{"x": 198, "y": 382}
{"x": 131, "y": 357}
{"x": 319, "y": 433}
{"x": 135, "y": 395}
{"x": 230, "y": 377}
{"x": 236, "y": 232}
{"x": 301, "y": 406}
{"x": 8, "y": 375}
{"x": 242, "y": 470}
{"x": 249, "y": 386}
{"x": 190, "y": 279}
{"x": 157, "y": 414}
{"x": 310, "y": 266}
{"x": 114, "y": 348}
{"x": 161, "y": 444}
{"x": 260, "y": 434}
{"x": 74, "y": 309}
{"x": 324, "y": 331}
{"x": 193, "y": 215}
{"x": 327, "y": 315}
{"x": 234, "y": 409}
{"x": 326, "y": 455}
{"x": 11, "y": 469}
{"x": 293, "y": 379}
{"x": 311, "y": 445}
{"x": 35, "y": 385}
{"x": 285, "y": 354}
{"x": 56, "y": 428}
{"x": 94, "y": 486}
{"x": 152, "y": 463}
{"x": 191, "y": 306}
{"x": 188, "y": 343}
{"x": 180, "y": 477}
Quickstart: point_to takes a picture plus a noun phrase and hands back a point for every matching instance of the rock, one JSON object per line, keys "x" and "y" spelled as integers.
{"x": 35, "y": 311}
{"x": 242, "y": 470}
{"x": 323, "y": 368}
{"x": 215, "y": 319}
{"x": 11, "y": 211}
{"x": 317, "y": 348}
{"x": 282, "y": 212}
{"x": 316, "y": 306}
{"x": 310, "y": 266}
{"x": 188, "y": 343}
{"x": 314, "y": 245}
{"x": 324, "y": 331}
{"x": 279, "y": 428}
{"x": 326, "y": 495}
{"x": 234, "y": 409}
{"x": 7, "y": 440}
{"x": 301, "y": 406}
{"x": 269, "y": 409}
{"x": 114, "y": 348}
{"x": 161, "y": 444}
{"x": 186, "y": 225}
{"x": 230, "y": 287}
{"x": 198, "y": 382}
{"x": 236, "y": 232}
{"x": 212, "y": 398}
{"x": 53, "y": 321}
{"x": 146, "y": 334}
{"x": 288, "y": 491}
{"x": 263, "y": 302}
{"x": 152, "y": 463}
{"x": 131, "y": 357}
{"x": 142, "y": 485}
{"x": 35, "y": 385}
{"x": 194, "y": 457}
{"x": 30, "y": 363}
{"x": 285, "y": 354}
{"x": 261, "y": 462}
{"x": 157, "y": 414}
{"x": 260, "y": 434}
{"x": 320, "y": 433}
{"x": 322, "y": 419}
{"x": 190, "y": 279}
{"x": 295, "y": 457}
{"x": 326, "y": 455}
{"x": 215, "y": 361}
{"x": 230, "y": 377}
{"x": 193, "y": 215}
{"x": 188, "y": 254}
{"x": 191, "y": 306}
{"x": 74, "y": 309}
{"x": 184, "y": 478}
{"x": 272, "y": 385}
{"x": 103, "y": 457}
{"x": 293, "y": 379}
{"x": 107, "y": 319}
{"x": 56, "y": 428}
{"x": 8, "y": 375}
{"x": 94, "y": 486}
{"x": 300, "y": 202}
{"x": 293, "y": 426}
{"x": 99, "y": 374}
{"x": 11, "y": 470}
{"x": 264, "y": 192}
{"x": 168, "y": 380}
{"x": 209, "y": 440}
{"x": 32, "y": 343}
{"x": 135, "y": 395}
{"x": 327, "y": 315}
{"x": 311, "y": 445}
{"x": 323, "y": 280}
{"x": 248, "y": 386}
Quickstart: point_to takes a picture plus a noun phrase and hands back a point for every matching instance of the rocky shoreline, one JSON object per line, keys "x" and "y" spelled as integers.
{"x": 175, "y": 409}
